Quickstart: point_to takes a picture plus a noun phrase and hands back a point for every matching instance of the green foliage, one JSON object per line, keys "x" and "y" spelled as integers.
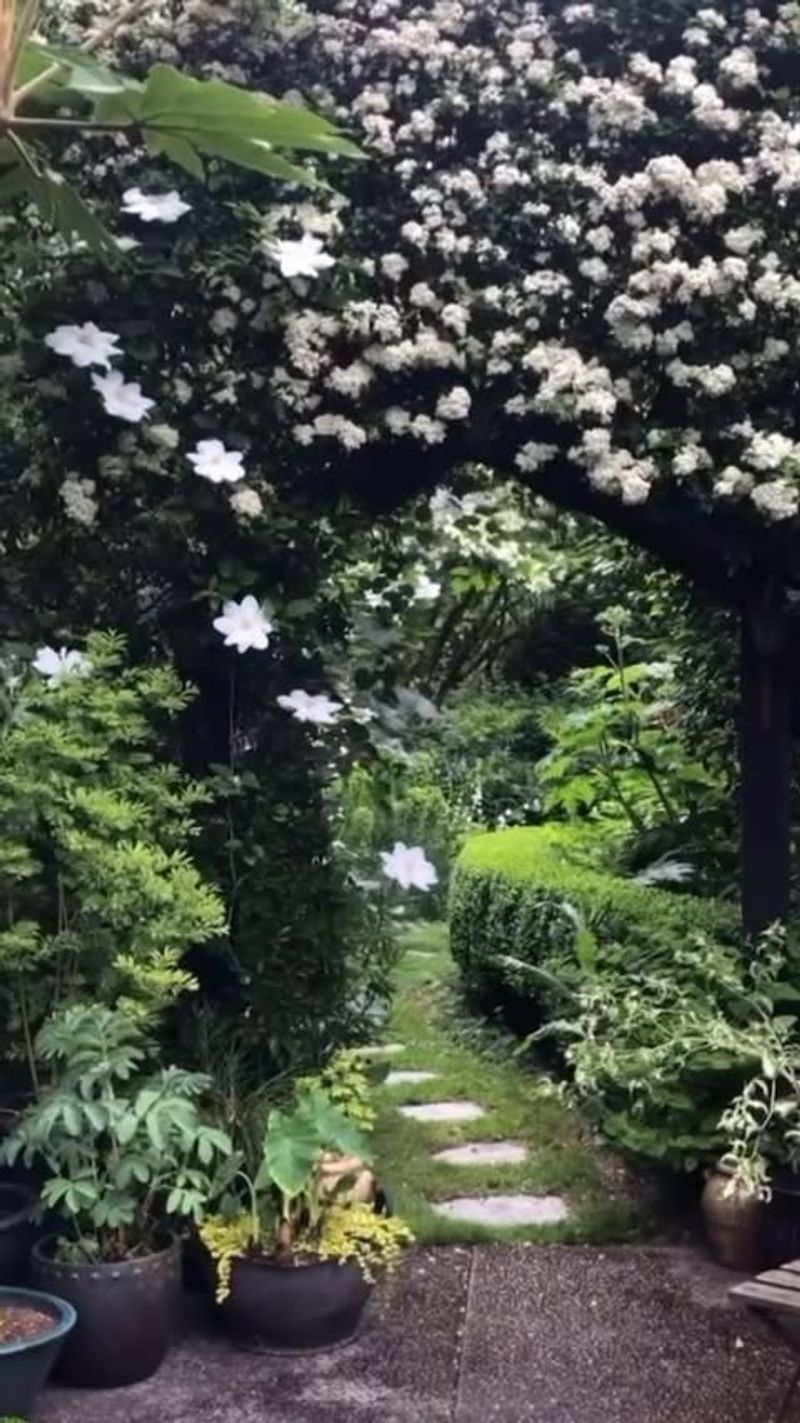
{"x": 619, "y": 752}
{"x": 126, "y": 1150}
{"x": 659, "y": 1049}
{"x": 173, "y": 115}
{"x": 98, "y": 891}
{"x": 345, "y": 1080}
{"x": 520, "y": 897}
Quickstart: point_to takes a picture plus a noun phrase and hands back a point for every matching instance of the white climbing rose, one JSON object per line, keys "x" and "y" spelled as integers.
{"x": 305, "y": 258}
{"x": 211, "y": 460}
{"x": 408, "y": 866}
{"x": 85, "y": 345}
{"x": 244, "y": 625}
{"x": 317, "y": 708}
{"x": 124, "y": 400}
{"x": 56, "y": 666}
{"x": 154, "y": 207}
{"x": 426, "y": 589}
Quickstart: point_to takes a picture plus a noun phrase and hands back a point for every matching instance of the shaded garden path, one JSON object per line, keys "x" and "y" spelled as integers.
{"x": 490, "y": 1334}
{"x": 556, "y": 1174}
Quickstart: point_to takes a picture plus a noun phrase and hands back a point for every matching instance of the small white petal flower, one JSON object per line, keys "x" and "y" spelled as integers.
{"x": 123, "y": 400}
{"x": 211, "y": 460}
{"x": 306, "y": 706}
{"x": 409, "y": 866}
{"x": 154, "y": 207}
{"x": 244, "y": 625}
{"x": 306, "y": 258}
{"x": 85, "y": 345}
{"x": 56, "y": 666}
{"x": 426, "y": 590}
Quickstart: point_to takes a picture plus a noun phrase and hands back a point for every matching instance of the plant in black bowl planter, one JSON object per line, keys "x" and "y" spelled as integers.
{"x": 129, "y": 1157}
{"x": 33, "y": 1327}
{"x": 295, "y": 1262}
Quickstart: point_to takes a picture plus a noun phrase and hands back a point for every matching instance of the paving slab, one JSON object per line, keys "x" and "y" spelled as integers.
{"x": 409, "y": 1077}
{"x": 565, "y": 1334}
{"x": 484, "y": 1153}
{"x": 504, "y": 1212}
{"x": 402, "y": 1369}
{"x": 443, "y": 1111}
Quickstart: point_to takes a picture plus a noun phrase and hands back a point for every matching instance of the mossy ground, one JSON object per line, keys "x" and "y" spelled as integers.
{"x": 476, "y": 1063}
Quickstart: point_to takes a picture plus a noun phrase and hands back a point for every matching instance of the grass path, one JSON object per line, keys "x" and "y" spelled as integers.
{"x": 519, "y": 1106}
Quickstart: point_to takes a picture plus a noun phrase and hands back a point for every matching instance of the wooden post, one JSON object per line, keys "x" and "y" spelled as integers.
{"x": 766, "y": 768}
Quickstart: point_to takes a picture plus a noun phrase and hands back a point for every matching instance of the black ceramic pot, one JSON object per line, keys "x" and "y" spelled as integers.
{"x": 782, "y": 1218}
{"x": 294, "y": 1308}
{"x": 17, "y": 1231}
{"x": 25, "y": 1365}
{"x": 127, "y": 1314}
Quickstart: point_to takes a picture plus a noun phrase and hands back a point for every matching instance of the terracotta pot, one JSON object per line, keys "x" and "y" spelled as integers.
{"x": 126, "y": 1314}
{"x": 334, "y": 1169}
{"x": 734, "y": 1221}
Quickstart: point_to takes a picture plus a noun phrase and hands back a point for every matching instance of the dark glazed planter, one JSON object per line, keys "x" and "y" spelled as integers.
{"x": 126, "y": 1314}
{"x": 25, "y": 1365}
{"x": 291, "y": 1309}
{"x": 17, "y": 1231}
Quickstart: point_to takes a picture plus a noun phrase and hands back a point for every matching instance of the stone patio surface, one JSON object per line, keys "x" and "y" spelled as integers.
{"x": 490, "y": 1334}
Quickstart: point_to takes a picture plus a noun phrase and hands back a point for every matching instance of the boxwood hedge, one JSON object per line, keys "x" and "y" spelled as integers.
{"x": 518, "y": 895}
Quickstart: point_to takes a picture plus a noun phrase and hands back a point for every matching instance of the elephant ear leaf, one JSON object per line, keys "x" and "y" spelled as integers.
{"x": 291, "y": 1152}
{"x": 334, "y": 1130}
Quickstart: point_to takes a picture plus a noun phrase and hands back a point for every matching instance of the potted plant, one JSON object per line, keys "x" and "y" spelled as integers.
{"x": 33, "y": 1327}
{"x": 296, "y": 1262}
{"x": 128, "y": 1155}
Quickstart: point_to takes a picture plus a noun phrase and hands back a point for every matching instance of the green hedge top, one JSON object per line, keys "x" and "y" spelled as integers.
{"x": 516, "y": 896}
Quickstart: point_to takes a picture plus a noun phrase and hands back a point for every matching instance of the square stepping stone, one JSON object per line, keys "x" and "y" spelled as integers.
{"x": 484, "y": 1153}
{"x": 385, "y": 1049}
{"x": 408, "y": 1078}
{"x": 444, "y": 1111}
{"x": 419, "y": 954}
{"x": 504, "y": 1211}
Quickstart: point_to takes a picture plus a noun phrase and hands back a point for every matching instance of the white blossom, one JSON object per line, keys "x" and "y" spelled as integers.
{"x": 154, "y": 207}
{"x": 57, "y": 666}
{"x": 211, "y": 460}
{"x": 408, "y": 866}
{"x": 121, "y": 399}
{"x": 315, "y": 708}
{"x": 247, "y": 503}
{"x": 244, "y": 625}
{"x": 77, "y": 496}
{"x": 304, "y": 258}
{"x": 85, "y": 345}
{"x": 455, "y": 405}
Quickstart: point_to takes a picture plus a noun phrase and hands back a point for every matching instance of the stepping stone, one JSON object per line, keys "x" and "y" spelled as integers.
{"x": 408, "y": 1078}
{"x": 385, "y": 1049}
{"x": 484, "y": 1153}
{"x": 504, "y": 1211}
{"x": 419, "y": 954}
{"x": 443, "y": 1112}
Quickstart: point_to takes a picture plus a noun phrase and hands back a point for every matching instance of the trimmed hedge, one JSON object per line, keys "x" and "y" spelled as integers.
{"x": 507, "y": 899}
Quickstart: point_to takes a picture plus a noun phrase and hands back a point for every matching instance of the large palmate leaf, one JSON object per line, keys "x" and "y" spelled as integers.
{"x": 78, "y": 71}
{"x": 60, "y": 205}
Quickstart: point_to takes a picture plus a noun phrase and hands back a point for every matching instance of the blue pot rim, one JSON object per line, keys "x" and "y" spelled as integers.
{"x": 34, "y": 1299}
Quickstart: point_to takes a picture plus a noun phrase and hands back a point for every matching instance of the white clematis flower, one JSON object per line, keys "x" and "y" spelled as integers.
{"x": 123, "y": 400}
{"x": 306, "y": 258}
{"x": 305, "y": 706}
{"x": 211, "y": 460}
{"x": 154, "y": 207}
{"x": 56, "y": 666}
{"x": 84, "y": 345}
{"x": 409, "y": 866}
{"x": 244, "y": 625}
{"x": 426, "y": 590}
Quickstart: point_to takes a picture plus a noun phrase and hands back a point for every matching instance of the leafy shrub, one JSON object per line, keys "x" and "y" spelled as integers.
{"x": 681, "y": 1058}
{"x": 96, "y": 885}
{"x": 519, "y": 896}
